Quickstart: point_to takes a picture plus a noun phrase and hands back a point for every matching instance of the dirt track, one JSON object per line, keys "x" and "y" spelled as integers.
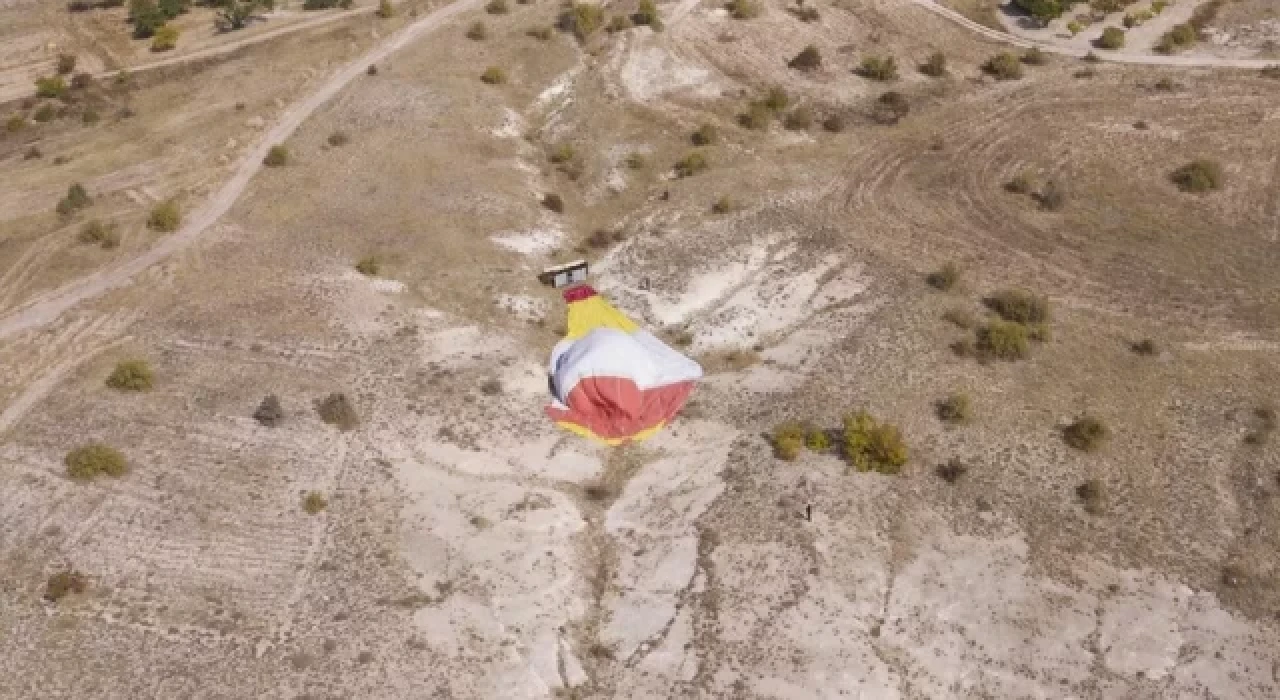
{"x": 49, "y": 306}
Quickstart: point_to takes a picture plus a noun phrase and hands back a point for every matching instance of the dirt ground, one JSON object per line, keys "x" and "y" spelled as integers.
{"x": 469, "y": 549}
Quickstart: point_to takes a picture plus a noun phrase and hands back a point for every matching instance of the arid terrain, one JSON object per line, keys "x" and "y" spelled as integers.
{"x": 1055, "y": 275}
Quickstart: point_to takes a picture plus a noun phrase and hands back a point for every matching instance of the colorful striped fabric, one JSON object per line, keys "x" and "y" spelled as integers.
{"x": 613, "y": 381}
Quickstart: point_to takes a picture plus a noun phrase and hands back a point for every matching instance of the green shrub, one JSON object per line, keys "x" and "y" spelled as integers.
{"x": 63, "y": 584}
{"x": 776, "y": 99}
{"x": 619, "y": 23}
{"x": 52, "y": 87}
{"x": 561, "y": 154}
{"x": 1093, "y": 494}
{"x": 45, "y": 113}
{"x": 1112, "y": 38}
{"x": 1086, "y": 433}
{"x": 873, "y": 446}
{"x": 891, "y": 107}
{"x": 276, "y": 157}
{"x": 788, "y": 439}
{"x": 164, "y": 39}
{"x": 269, "y": 413}
{"x": 692, "y": 164}
{"x": 798, "y": 119}
{"x": 1019, "y": 306}
{"x": 723, "y": 205}
{"x": 757, "y": 117}
{"x": 954, "y": 409}
{"x": 935, "y": 66}
{"x": 945, "y": 277}
{"x": 88, "y": 461}
{"x": 77, "y": 198}
{"x": 369, "y": 266}
{"x": 165, "y": 217}
{"x": 636, "y": 161}
{"x": 817, "y": 440}
{"x": 337, "y": 410}
{"x": 131, "y": 375}
{"x": 497, "y": 7}
{"x": 1201, "y": 175}
{"x": 385, "y": 9}
{"x": 1157, "y": 6}
{"x": 879, "y": 68}
{"x": 1074, "y": 27}
{"x": 90, "y": 116}
{"x": 582, "y": 19}
{"x": 97, "y": 233}
{"x": 553, "y": 202}
{"x": 1052, "y": 196}
{"x": 706, "y": 135}
{"x": 807, "y": 60}
{"x": 1003, "y": 340}
{"x": 1035, "y": 57}
{"x": 15, "y": 123}
{"x": 744, "y": 9}
{"x": 647, "y": 14}
{"x": 1004, "y": 66}
{"x": 493, "y": 75}
{"x": 477, "y": 31}
{"x": 314, "y": 502}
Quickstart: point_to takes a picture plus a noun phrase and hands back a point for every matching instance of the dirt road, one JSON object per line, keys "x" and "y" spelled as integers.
{"x": 49, "y": 306}
{"x": 1142, "y": 59}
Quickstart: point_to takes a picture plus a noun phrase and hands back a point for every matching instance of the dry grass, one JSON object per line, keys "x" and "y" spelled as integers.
{"x": 88, "y": 461}
{"x": 131, "y": 375}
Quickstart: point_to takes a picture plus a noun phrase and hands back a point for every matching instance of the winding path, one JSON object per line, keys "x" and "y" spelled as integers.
{"x": 49, "y": 306}
{"x": 1050, "y": 47}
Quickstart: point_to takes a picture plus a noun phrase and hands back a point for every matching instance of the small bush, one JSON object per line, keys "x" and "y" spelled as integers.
{"x": 757, "y": 117}
{"x": 369, "y": 266}
{"x": 1019, "y": 306}
{"x": 873, "y": 446}
{"x": 1145, "y": 346}
{"x": 636, "y": 161}
{"x": 52, "y": 87}
{"x": 603, "y": 238}
{"x": 1052, "y": 197}
{"x": 619, "y": 23}
{"x": 952, "y": 470}
{"x": 97, "y": 233}
{"x": 44, "y": 113}
{"x": 706, "y": 135}
{"x": 337, "y": 410}
{"x": 954, "y": 409}
{"x": 1263, "y": 425}
{"x": 63, "y": 584}
{"x": 165, "y": 39}
{"x": 806, "y": 13}
{"x": 90, "y": 116}
{"x": 723, "y": 205}
{"x": 788, "y": 440}
{"x": 553, "y": 202}
{"x": 692, "y": 164}
{"x": 131, "y": 375}
{"x": 314, "y": 502}
{"x": 798, "y": 119}
{"x": 561, "y": 154}
{"x": 833, "y": 123}
{"x": 66, "y": 63}
{"x": 647, "y": 15}
{"x": 808, "y": 59}
{"x": 744, "y": 9}
{"x": 385, "y": 9}
{"x": 1201, "y": 175}
{"x": 493, "y": 75}
{"x": 1022, "y": 183}
{"x": 540, "y": 33}
{"x": 891, "y": 107}
{"x": 776, "y": 99}
{"x": 1004, "y": 66}
{"x": 372, "y": 69}
{"x": 497, "y": 7}
{"x": 1074, "y": 27}
{"x": 582, "y": 20}
{"x": 77, "y": 198}
{"x": 32, "y": 153}
{"x": 1086, "y": 433}
{"x": 269, "y": 413}
{"x": 477, "y": 31}
{"x": 1035, "y": 57}
{"x": 1002, "y": 340}
{"x": 338, "y": 138}
{"x": 879, "y": 68}
{"x": 165, "y": 217}
{"x": 15, "y": 123}
{"x": 1093, "y": 494}
{"x": 817, "y": 440}
{"x": 276, "y": 157}
{"x": 945, "y": 277}
{"x": 86, "y": 462}
{"x": 935, "y": 66}
{"x": 1112, "y": 38}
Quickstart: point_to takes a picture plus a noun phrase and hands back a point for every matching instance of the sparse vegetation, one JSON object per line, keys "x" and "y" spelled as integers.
{"x": 1199, "y": 176}
{"x": 798, "y": 119}
{"x": 97, "y": 233}
{"x": 1052, "y": 197}
{"x": 954, "y": 409}
{"x": 44, "y": 113}
{"x": 1146, "y": 347}
{"x": 1181, "y": 36}
{"x": 945, "y": 277}
{"x": 935, "y": 66}
{"x": 77, "y": 198}
{"x": 788, "y": 440}
{"x": 497, "y": 7}
{"x": 582, "y": 20}
{"x": 478, "y": 32}
{"x": 881, "y": 68}
{"x": 1002, "y": 340}
{"x": 620, "y": 23}
{"x": 52, "y": 87}
{"x": 1019, "y": 306}
{"x": 706, "y": 135}
{"x": 314, "y": 502}
{"x": 1086, "y": 433}
{"x": 1035, "y": 57}
{"x": 385, "y": 9}
{"x": 553, "y": 202}
{"x": 1093, "y": 495}
{"x": 165, "y": 217}
{"x": 891, "y": 107}
{"x": 744, "y": 9}
{"x": 131, "y": 375}
{"x": 757, "y": 117}
{"x": 1263, "y": 425}
{"x": 873, "y": 446}
{"x": 269, "y": 413}
{"x": 369, "y": 266}
{"x": 493, "y": 75}
{"x": 1022, "y": 183}
{"x": 1004, "y": 66}
{"x": 808, "y": 59}
{"x": 817, "y": 440}
{"x": 66, "y": 63}
{"x": 88, "y": 461}
{"x": 277, "y": 156}
{"x": 1112, "y": 38}
{"x": 833, "y": 123}
{"x": 776, "y": 99}
{"x": 723, "y": 205}
{"x": 692, "y": 164}
{"x": 562, "y": 153}
{"x": 63, "y": 584}
{"x": 15, "y": 123}
{"x": 338, "y": 138}
{"x": 952, "y": 470}
{"x": 337, "y": 410}
{"x": 647, "y": 15}
{"x": 165, "y": 38}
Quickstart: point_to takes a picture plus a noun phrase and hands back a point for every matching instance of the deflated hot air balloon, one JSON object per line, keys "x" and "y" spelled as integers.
{"x": 613, "y": 381}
